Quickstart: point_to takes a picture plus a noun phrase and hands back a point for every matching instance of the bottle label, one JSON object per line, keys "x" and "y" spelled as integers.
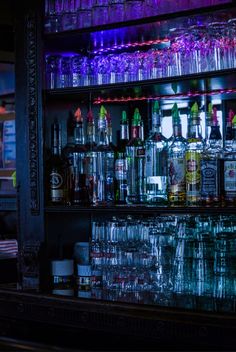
{"x": 193, "y": 171}
{"x": 56, "y": 180}
{"x": 230, "y": 175}
{"x": 209, "y": 178}
{"x": 140, "y": 152}
{"x": 176, "y": 175}
{"x": 121, "y": 169}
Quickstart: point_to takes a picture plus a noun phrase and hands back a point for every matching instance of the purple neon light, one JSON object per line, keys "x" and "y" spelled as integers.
{"x": 170, "y": 96}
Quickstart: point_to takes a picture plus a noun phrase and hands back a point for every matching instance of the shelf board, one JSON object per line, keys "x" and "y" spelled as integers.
{"x": 68, "y": 40}
{"x": 127, "y": 209}
{"x": 6, "y": 173}
{"x": 215, "y": 82}
{"x": 8, "y": 202}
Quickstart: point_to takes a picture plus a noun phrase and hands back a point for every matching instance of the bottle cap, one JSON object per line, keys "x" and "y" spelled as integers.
{"x": 90, "y": 116}
{"x": 78, "y": 115}
{"x": 84, "y": 270}
{"x": 63, "y": 267}
{"x": 175, "y": 114}
{"x": 214, "y": 117}
{"x": 234, "y": 121}
{"x": 194, "y": 114}
{"x": 124, "y": 117}
{"x": 230, "y": 116}
{"x": 102, "y": 113}
{"x": 156, "y": 107}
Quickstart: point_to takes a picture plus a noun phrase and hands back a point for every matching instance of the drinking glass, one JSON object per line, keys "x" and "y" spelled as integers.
{"x": 53, "y": 12}
{"x": 69, "y": 17}
{"x": 100, "y": 13}
{"x": 219, "y": 46}
{"x": 116, "y": 10}
{"x": 232, "y": 42}
{"x": 133, "y": 9}
{"x": 53, "y": 71}
{"x": 84, "y": 18}
{"x": 66, "y": 73}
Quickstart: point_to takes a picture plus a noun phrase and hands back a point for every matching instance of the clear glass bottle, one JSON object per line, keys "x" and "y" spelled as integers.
{"x": 193, "y": 158}
{"x": 228, "y": 170}
{"x": 210, "y": 164}
{"x": 135, "y": 151}
{"x": 176, "y": 165}
{"x": 78, "y": 161}
{"x": 91, "y": 158}
{"x": 121, "y": 162}
{"x": 156, "y": 161}
{"x": 105, "y": 163}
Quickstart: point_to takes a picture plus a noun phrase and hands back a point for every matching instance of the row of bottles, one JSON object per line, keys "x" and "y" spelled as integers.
{"x": 155, "y": 170}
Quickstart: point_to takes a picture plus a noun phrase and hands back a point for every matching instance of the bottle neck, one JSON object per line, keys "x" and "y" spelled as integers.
{"x": 91, "y": 139}
{"x": 79, "y": 133}
{"x": 124, "y": 132}
{"x": 195, "y": 132}
{"x": 102, "y": 133}
{"x": 177, "y": 130}
{"x": 56, "y": 139}
{"x": 136, "y": 132}
{"x": 229, "y": 132}
{"x": 215, "y": 133}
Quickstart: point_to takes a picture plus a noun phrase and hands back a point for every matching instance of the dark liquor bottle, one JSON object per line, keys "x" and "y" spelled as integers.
{"x": 78, "y": 154}
{"x": 56, "y": 167}
{"x": 121, "y": 162}
{"x": 210, "y": 164}
{"x": 67, "y": 153}
{"x": 228, "y": 170}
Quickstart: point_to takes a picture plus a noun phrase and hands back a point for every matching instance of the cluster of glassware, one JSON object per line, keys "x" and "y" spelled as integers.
{"x": 187, "y": 261}
{"x": 197, "y": 49}
{"x": 63, "y": 15}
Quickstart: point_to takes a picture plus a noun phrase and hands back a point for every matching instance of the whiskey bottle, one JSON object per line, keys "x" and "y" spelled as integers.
{"x": 156, "y": 161}
{"x": 121, "y": 162}
{"x": 56, "y": 167}
{"x": 228, "y": 163}
{"x": 105, "y": 163}
{"x": 193, "y": 158}
{"x": 176, "y": 164}
{"x": 210, "y": 164}
{"x": 135, "y": 152}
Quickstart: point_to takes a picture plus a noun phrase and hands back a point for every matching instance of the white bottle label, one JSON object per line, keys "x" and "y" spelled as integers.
{"x": 230, "y": 175}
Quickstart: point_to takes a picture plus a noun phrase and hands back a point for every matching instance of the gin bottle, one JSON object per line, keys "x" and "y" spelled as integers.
{"x": 210, "y": 164}
{"x": 78, "y": 160}
{"x": 135, "y": 151}
{"x": 105, "y": 163}
{"x": 121, "y": 162}
{"x": 156, "y": 161}
{"x": 91, "y": 158}
{"x": 229, "y": 170}
{"x": 176, "y": 164}
{"x": 193, "y": 158}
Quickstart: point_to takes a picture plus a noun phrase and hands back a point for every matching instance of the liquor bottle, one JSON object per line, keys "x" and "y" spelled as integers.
{"x": 229, "y": 131}
{"x": 68, "y": 156}
{"x": 121, "y": 162}
{"x": 91, "y": 158}
{"x": 176, "y": 164}
{"x": 193, "y": 158}
{"x": 210, "y": 164}
{"x": 135, "y": 152}
{"x": 229, "y": 170}
{"x": 156, "y": 161}
{"x": 105, "y": 163}
{"x": 78, "y": 161}
{"x": 208, "y": 124}
{"x": 56, "y": 167}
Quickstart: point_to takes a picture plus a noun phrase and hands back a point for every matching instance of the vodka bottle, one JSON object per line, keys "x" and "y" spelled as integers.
{"x": 176, "y": 164}
{"x": 91, "y": 158}
{"x": 78, "y": 161}
{"x": 228, "y": 164}
{"x": 121, "y": 162}
{"x": 105, "y": 163}
{"x": 156, "y": 161}
{"x": 135, "y": 151}
{"x": 193, "y": 158}
{"x": 210, "y": 164}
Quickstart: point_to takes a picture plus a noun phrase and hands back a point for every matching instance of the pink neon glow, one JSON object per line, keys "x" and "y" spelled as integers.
{"x": 170, "y": 96}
